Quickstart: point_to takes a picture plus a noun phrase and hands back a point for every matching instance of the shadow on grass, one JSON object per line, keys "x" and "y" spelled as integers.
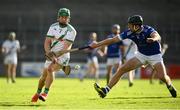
{"x": 9, "y": 104}
{"x": 137, "y": 98}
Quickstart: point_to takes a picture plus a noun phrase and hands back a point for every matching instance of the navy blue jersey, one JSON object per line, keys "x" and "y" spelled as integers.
{"x": 113, "y": 50}
{"x": 91, "y": 52}
{"x": 140, "y": 40}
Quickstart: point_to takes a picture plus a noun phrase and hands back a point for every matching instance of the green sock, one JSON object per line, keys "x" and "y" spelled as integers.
{"x": 46, "y": 90}
{"x": 39, "y": 90}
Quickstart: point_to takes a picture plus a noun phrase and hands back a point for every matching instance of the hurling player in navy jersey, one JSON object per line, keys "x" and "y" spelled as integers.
{"x": 92, "y": 59}
{"x": 149, "y": 52}
{"x": 113, "y": 52}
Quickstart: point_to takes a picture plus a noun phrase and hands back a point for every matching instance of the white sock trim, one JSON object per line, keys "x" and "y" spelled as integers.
{"x": 107, "y": 88}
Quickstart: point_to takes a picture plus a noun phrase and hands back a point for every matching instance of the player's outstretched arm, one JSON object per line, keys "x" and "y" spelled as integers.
{"x": 154, "y": 37}
{"x": 105, "y": 42}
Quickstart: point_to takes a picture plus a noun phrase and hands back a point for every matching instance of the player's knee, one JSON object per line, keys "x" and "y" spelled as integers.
{"x": 43, "y": 77}
{"x": 50, "y": 70}
{"x": 96, "y": 68}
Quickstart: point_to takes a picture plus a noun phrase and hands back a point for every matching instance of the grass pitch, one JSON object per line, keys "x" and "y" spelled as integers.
{"x": 69, "y": 93}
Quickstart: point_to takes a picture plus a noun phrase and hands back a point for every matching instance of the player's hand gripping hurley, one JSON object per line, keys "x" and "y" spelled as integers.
{"x": 51, "y": 55}
{"x": 59, "y": 53}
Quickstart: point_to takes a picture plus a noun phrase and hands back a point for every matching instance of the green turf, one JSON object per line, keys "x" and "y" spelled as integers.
{"x": 73, "y": 94}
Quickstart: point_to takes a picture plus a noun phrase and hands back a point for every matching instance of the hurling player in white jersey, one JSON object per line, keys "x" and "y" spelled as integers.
{"x": 10, "y": 48}
{"x": 130, "y": 51}
{"x": 60, "y": 36}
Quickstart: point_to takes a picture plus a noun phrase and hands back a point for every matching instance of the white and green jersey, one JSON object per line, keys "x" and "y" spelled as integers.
{"x": 59, "y": 35}
{"x": 11, "y": 48}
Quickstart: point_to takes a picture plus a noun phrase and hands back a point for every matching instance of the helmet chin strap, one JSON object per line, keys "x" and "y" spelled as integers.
{"x": 136, "y": 30}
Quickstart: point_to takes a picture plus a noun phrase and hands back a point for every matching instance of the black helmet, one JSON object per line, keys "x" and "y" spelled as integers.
{"x": 136, "y": 20}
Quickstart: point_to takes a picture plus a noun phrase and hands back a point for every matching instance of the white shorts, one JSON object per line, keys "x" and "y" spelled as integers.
{"x": 113, "y": 61}
{"x": 152, "y": 60}
{"x": 93, "y": 60}
{"x": 10, "y": 60}
{"x": 61, "y": 60}
{"x": 129, "y": 56}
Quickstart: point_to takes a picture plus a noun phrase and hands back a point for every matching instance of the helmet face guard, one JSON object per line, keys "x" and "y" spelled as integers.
{"x": 63, "y": 12}
{"x": 135, "y": 20}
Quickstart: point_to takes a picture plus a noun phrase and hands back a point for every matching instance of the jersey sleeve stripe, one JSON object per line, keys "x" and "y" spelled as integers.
{"x": 54, "y": 44}
{"x": 50, "y": 36}
{"x": 69, "y": 40}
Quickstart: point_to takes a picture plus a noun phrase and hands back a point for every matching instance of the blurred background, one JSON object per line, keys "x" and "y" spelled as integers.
{"x": 30, "y": 19}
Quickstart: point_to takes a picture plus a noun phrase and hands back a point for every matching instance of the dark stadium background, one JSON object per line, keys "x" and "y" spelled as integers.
{"x": 30, "y": 19}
